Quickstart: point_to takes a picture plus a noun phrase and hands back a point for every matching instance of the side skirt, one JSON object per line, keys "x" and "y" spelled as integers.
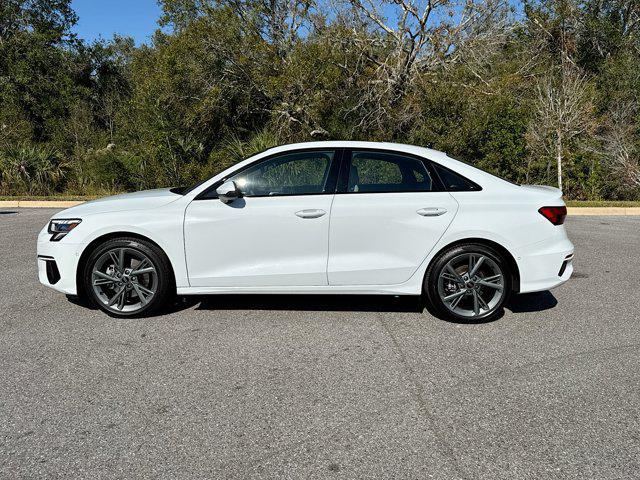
{"x": 404, "y": 289}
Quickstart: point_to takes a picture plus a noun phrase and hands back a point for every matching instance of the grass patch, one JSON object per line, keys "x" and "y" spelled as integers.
{"x": 51, "y": 198}
{"x": 602, "y": 203}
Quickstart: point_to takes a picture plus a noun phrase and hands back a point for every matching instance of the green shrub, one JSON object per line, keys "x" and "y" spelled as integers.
{"x": 32, "y": 170}
{"x": 234, "y": 149}
{"x": 107, "y": 170}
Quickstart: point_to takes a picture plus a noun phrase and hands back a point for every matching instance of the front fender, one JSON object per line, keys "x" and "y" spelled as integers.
{"x": 163, "y": 226}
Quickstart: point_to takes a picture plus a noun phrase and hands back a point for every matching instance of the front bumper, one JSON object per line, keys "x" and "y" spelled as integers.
{"x": 545, "y": 265}
{"x": 58, "y": 263}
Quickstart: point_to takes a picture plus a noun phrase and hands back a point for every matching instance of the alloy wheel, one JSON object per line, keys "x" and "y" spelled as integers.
{"x": 124, "y": 280}
{"x": 471, "y": 285}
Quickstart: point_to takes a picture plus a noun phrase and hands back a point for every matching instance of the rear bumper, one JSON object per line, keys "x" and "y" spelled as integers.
{"x": 545, "y": 265}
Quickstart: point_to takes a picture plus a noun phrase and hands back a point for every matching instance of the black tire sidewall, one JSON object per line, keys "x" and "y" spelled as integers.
{"x": 157, "y": 257}
{"x": 430, "y": 286}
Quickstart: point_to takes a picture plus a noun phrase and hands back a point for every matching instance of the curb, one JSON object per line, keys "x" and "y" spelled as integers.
{"x": 610, "y": 211}
{"x": 572, "y": 211}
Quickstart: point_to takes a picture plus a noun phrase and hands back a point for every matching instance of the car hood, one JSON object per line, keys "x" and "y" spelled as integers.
{"x": 143, "y": 200}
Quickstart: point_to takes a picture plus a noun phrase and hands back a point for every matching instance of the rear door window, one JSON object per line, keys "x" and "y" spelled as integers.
{"x": 377, "y": 172}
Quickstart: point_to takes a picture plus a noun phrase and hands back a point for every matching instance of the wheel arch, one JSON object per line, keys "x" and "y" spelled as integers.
{"x": 511, "y": 261}
{"x": 108, "y": 236}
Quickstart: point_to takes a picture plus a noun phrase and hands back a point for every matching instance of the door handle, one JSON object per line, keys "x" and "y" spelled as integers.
{"x": 431, "y": 211}
{"x": 310, "y": 213}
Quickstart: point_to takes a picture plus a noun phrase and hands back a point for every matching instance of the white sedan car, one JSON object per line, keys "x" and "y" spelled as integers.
{"x": 314, "y": 218}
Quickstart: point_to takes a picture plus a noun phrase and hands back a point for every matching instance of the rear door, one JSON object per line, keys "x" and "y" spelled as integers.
{"x": 276, "y": 234}
{"x": 389, "y": 212}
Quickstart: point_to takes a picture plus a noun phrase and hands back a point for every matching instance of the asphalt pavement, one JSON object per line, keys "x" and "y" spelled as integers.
{"x": 307, "y": 387}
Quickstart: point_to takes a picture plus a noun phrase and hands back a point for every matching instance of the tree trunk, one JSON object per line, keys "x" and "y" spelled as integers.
{"x": 559, "y": 157}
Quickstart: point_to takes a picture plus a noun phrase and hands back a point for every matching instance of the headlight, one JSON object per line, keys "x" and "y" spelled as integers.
{"x": 59, "y": 227}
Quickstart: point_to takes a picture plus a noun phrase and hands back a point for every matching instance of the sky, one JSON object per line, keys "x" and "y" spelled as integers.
{"x": 131, "y": 18}
{"x": 102, "y": 18}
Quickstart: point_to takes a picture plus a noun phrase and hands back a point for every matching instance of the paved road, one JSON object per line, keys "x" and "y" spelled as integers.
{"x": 325, "y": 387}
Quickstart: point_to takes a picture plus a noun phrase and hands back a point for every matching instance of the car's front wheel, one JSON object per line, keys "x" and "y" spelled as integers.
{"x": 469, "y": 282}
{"x": 128, "y": 277}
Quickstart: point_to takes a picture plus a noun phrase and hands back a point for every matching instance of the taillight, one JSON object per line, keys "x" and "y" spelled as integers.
{"x": 555, "y": 215}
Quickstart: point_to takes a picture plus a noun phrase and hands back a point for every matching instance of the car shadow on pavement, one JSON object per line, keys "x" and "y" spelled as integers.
{"x": 527, "y": 302}
{"x": 177, "y": 305}
{"x": 531, "y": 302}
{"x": 329, "y": 303}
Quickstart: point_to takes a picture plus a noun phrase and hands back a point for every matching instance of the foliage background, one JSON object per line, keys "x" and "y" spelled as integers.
{"x": 516, "y": 88}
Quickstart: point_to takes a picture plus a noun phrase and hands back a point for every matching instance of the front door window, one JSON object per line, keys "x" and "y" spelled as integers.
{"x": 301, "y": 173}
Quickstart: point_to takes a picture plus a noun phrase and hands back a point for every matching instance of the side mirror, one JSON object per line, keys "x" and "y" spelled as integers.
{"x": 228, "y": 192}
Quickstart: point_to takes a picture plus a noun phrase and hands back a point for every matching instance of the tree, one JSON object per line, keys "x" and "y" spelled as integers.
{"x": 620, "y": 144}
{"x": 35, "y": 81}
{"x": 563, "y": 112}
{"x": 419, "y": 36}
{"x": 519, "y": 96}
{"x": 49, "y": 19}
{"x": 277, "y": 22}
{"x": 608, "y": 27}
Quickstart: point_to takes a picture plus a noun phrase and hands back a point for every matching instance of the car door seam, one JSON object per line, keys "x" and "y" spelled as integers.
{"x": 326, "y": 270}
{"x": 184, "y": 241}
{"x": 455, "y": 214}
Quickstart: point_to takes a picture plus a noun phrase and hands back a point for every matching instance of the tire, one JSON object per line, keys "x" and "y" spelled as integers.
{"x": 456, "y": 296}
{"x": 128, "y": 277}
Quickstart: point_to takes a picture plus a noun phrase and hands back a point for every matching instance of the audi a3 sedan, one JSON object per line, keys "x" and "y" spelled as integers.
{"x": 317, "y": 218}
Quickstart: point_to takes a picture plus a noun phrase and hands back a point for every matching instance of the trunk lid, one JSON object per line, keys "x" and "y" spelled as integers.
{"x": 545, "y": 193}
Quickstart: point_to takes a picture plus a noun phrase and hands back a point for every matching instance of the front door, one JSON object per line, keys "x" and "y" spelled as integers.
{"x": 276, "y": 234}
{"x": 386, "y": 217}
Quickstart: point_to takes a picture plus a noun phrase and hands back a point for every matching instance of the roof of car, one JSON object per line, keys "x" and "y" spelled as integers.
{"x": 399, "y": 147}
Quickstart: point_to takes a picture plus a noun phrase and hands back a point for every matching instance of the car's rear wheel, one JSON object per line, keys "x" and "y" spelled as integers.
{"x": 128, "y": 277}
{"x": 469, "y": 282}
